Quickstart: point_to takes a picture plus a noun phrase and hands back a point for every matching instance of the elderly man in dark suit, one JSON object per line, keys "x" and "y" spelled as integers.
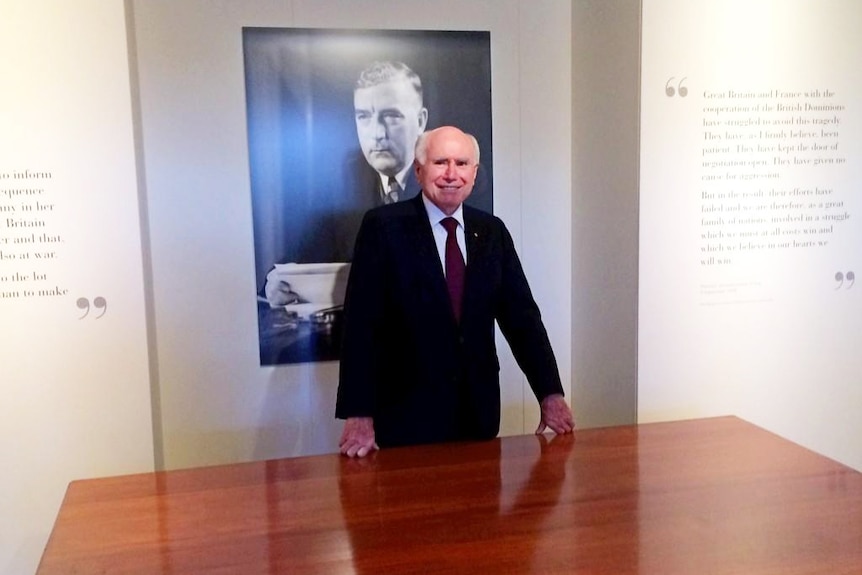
{"x": 419, "y": 362}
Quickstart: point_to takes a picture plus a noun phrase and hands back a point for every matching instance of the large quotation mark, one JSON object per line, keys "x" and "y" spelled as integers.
{"x": 670, "y": 91}
{"x": 98, "y": 303}
{"x": 840, "y": 277}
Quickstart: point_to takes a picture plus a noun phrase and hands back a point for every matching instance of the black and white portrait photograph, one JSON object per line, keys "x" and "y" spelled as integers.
{"x": 333, "y": 117}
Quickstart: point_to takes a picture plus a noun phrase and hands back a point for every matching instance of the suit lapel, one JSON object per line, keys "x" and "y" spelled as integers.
{"x": 478, "y": 237}
{"x": 423, "y": 245}
{"x": 427, "y": 259}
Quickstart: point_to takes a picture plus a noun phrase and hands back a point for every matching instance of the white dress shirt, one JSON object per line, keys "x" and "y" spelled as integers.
{"x": 435, "y": 216}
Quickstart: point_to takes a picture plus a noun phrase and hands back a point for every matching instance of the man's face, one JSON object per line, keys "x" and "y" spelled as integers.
{"x": 450, "y": 168}
{"x": 389, "y": 118}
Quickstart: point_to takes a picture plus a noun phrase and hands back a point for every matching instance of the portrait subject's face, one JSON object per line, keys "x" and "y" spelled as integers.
{"x": 389, "y": 118}
{"x": 450, "y": 168}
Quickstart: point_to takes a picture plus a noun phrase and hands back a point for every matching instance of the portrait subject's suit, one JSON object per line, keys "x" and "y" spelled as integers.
{"x": 361, "y": 193}
{"x": 406, "y": 362}
{"x": 367, "y": 185}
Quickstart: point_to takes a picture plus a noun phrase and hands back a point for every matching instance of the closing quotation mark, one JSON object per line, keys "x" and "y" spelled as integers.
{"x": 98, "y": 303}
{"x": 670, "y": 91}
{"x": 840, "y": 277}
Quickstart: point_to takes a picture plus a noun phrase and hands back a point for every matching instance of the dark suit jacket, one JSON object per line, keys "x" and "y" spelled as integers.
{"x": 405, "y": 361}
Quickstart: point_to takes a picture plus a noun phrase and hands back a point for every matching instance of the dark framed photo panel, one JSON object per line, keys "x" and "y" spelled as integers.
{"x": 332, "y": 117}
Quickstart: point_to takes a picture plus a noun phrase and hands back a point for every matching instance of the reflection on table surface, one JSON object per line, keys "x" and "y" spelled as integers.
{"x": 716, "y": 495}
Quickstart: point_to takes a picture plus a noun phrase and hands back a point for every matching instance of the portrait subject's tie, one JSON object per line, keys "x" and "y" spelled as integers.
{"x": 454, "y": 266}
{"x": 393, "y": 192}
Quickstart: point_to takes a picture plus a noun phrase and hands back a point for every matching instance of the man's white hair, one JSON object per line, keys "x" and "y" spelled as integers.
{"x": 421, "y": 149}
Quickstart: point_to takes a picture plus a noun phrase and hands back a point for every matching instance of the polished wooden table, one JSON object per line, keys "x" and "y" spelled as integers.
{"x": 710, "y": 496}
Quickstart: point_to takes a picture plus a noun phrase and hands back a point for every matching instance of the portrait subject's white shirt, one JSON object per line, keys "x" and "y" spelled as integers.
{"x": 401, "y": 177}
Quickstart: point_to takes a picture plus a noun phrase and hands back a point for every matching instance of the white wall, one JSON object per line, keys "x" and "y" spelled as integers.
{"x": 76, "y": 395}
{"x": 605, "y": 95}
{"x": 766, "y": 333}
{"x": 216, "y": 404}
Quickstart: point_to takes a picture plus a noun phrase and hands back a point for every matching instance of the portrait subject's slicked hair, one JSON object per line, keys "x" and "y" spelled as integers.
{"x": 382, "y": 72}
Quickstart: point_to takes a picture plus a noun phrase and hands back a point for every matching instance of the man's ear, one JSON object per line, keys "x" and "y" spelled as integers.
{"x": 423, "y": 119}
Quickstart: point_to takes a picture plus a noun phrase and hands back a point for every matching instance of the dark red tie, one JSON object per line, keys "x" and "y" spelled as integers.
{"x": 454, "y": 266}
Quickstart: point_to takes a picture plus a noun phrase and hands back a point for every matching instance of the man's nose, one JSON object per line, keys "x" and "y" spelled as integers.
{"x": 451, "y": 171}
{"x": 380, "y": 129}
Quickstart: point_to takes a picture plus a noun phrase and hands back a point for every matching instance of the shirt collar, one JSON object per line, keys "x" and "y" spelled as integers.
{"x": 400, "y": 176}
{"x": 435, "y": 214}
